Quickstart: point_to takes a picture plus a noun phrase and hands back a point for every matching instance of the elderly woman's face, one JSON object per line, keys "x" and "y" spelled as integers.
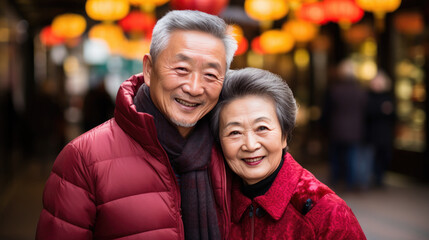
{"x": 251, "y": 137}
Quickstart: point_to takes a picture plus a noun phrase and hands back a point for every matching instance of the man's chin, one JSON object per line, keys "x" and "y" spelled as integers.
{"x": 183, "y": 124}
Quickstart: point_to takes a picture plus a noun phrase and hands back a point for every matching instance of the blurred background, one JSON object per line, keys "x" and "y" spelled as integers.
{"x": 358, "y": 69}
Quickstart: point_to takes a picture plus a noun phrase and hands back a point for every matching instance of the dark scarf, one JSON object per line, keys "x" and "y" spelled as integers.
{"x": 190, "y": 159}
{"x": 261, "y": 187}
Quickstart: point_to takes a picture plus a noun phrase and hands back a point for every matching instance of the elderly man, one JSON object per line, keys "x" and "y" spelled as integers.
{"x": 151, "y": 172}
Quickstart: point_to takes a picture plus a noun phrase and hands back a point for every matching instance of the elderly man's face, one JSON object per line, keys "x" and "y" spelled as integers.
{"x": 186, "y": 80}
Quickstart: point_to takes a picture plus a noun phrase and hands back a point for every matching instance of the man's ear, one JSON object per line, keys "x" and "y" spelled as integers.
{"x": 147, "y": 68}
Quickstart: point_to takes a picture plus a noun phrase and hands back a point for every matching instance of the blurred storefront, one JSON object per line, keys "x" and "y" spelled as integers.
{"x": 296, "y": 40}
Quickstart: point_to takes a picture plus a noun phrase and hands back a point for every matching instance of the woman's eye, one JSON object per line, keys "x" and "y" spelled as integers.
{"x": 234, "y": 133}
{"x": 262, "y": 128}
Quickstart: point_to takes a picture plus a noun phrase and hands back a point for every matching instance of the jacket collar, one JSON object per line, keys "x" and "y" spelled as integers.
{"x": 276, "y": 199}
{"x": 140, "y": 126}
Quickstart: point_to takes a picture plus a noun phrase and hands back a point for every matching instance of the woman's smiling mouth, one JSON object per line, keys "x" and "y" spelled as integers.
{"x": 253, "y": 161}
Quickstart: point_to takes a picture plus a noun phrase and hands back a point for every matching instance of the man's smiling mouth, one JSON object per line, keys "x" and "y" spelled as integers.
{"x": 187, "y": 104}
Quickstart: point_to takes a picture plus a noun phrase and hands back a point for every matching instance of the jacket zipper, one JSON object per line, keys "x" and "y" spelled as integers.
{"x": 225, "y": 197}
{"x": 252, "y": 222}
{"x": 179, "y": 200}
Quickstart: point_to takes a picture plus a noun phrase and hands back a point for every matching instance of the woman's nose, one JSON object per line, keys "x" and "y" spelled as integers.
{"x": 250, "y": 143}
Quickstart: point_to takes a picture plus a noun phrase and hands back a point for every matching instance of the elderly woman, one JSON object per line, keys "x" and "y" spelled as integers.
{"x": 273, "y": 197}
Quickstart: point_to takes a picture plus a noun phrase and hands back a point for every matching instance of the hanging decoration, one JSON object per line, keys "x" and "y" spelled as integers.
{"x": 312, "y": 12}
{"x": 107, "y": 10}
{"x": 266, "y": 11}
{"x": 112, "y": 34}
{"x": 68, "y": 25}
{"x": 148, "y": 6}
{"x": 137, "y": 22}
{"x": 276, "y": 41}
{"x": 343, "y": 12}
{"x": 409, "y": 23}
{"x": 256, "y": 45}
{"x": 135, "y": 49}
{"x": 237, "y": 33}
{"x": 214, "y": 7}
{"x": 49, "y": 38}
{"x": 379, "y": 8}
{"x": 358, "y": 33}
{"x": 302, "y": 31}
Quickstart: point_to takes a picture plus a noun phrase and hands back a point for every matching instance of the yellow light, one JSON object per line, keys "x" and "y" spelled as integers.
{"x": 143, "y": 2}
{"x": 301, "y": 58}
{"x": 379, "y": 5}
{"x": 403, "y": 89}
{"x": 255, "y": 60}
{"x": 71, "y": 65}
{"x": 302, "y": 31}
{"x": 135, "y": 49}
{"x": 69, "y": 25}
{"x": 369, "y": 48}
{"x": 266, "y": 10}
{"x": 236, "y": 31}
{"x": 110, "y": 33}
{"x": 276, "y": 41}
{"x": 367, "y": 70}
{"x": 107, "y": 10}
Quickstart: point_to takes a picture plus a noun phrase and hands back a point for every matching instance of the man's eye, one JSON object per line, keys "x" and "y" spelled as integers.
{"x": 210, "y": 75}
{"x": 181, "y": 70}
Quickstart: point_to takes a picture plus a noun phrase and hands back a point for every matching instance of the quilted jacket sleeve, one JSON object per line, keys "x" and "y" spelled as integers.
{"x": 335, "y": 220}
{"x": 68, "y": 203}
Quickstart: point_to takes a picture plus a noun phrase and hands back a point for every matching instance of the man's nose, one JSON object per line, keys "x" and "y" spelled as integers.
{"x": 194, "y": 86}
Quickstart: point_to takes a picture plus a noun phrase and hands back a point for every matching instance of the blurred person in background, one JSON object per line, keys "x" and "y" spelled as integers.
{"x": 152, "y": 171}
{"x": 97, "y": 106}
{"x": 380, "y": 123}
{"x": 344, "y": 116}
{"x": 273, "y": 197}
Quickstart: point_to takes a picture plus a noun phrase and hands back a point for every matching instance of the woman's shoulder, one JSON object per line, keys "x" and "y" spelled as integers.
{"x": 308, "y": 192}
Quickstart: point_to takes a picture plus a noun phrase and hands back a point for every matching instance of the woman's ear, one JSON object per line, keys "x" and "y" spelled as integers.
{"x": 284, "y": 142}
{"x": 147, "y": 68}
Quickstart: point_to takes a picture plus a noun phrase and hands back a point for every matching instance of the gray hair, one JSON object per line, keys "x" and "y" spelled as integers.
{"x": 253, "y": 81}
{"x": 191, "y": 21}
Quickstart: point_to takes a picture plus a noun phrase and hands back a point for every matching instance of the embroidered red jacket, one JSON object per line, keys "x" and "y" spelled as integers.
{"x": 297, "y": 206}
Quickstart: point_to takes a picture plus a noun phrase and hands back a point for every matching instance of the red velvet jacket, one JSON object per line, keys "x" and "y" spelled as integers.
{"x": 280, "y": 213}
{"x": 116, "y": 182}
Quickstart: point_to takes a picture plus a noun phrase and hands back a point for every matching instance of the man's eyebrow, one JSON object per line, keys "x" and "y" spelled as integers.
{"x": 183, "y": 57}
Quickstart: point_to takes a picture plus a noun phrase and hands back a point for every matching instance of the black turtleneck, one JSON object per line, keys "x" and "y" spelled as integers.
{"x": 261, "y": 187}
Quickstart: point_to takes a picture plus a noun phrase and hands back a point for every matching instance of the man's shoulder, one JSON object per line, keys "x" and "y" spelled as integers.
{"x": 106, "y": 141}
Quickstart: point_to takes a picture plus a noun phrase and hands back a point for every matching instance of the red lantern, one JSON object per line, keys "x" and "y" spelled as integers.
{"x": 209, "y": 6}
{"x": 343, "y": 11}
{"x": 313, "y": 12}
{"x": 256, "y": 45}
{"x": 243, "y": 45}
{"x": 48, "y": 38}
{"x": 137, "y": 21}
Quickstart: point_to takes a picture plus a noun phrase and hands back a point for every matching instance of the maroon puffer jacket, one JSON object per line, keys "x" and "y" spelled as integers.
{"x": 116, "y": 182}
